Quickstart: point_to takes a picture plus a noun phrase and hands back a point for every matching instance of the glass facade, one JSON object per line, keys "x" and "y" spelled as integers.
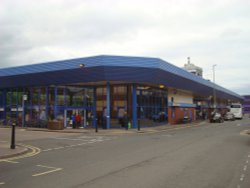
{"x": 63, "y": 102}
{"x": 152, "y": 108}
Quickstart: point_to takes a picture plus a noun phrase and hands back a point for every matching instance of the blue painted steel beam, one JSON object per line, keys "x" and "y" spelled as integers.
{"x": 94, "y": 108}
{"x": 134, "y": 106}
{"x": 47, "y": 102}
{"x": 23, "y": 105}
{"x": 55, "y": 103}
{"x": 108, "y": 107}
{"x": 4, "y": 104}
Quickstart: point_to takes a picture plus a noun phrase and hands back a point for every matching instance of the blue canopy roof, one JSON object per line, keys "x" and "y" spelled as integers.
{"x": 110, "y": 68}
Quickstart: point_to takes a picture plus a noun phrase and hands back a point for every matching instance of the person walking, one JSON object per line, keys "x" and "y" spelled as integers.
{"x": 125, "y": 120}
{"x": 78, "y": 120}
{"x": 73, "y": 121}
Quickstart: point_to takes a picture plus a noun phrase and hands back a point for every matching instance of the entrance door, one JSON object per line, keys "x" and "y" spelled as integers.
{"x": 84, "y": 113}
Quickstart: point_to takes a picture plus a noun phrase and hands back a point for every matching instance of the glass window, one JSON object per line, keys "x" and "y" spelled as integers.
{"x": 51, "y": 95}
{"x": 60, "y": 96}
{"x": 43, "y": 96}
{"x": 1, "y": 98}
{"x": 152, "y": 105}
{"x": 35, "y": 92}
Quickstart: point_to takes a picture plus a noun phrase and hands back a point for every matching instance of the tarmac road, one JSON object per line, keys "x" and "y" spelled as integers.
{"x": 211, "y": 155}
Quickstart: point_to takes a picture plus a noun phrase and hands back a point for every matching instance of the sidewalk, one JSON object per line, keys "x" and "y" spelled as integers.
{"x": 6, "y": 152}
{"x": 119, "y": 131}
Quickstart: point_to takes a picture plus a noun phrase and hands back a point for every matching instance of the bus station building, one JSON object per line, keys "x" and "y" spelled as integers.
{"x": 102, "y": 89}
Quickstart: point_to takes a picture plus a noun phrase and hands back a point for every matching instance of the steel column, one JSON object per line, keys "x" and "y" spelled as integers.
{"x": 134, "y": 106}
{"x": 108, "y": 107}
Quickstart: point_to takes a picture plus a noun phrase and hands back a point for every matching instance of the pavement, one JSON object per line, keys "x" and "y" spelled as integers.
{"x": 6, "y": 152}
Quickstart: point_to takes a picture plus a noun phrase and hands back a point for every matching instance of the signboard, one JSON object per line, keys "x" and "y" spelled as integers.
{"x": 17, "y": 109}
{"x": 25, "y": 97}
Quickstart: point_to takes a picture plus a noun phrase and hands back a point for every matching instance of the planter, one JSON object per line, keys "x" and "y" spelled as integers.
{"x": 55, "y": 125}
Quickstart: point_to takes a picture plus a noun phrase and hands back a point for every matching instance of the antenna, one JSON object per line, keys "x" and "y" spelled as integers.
{"x": 188, "y": 58}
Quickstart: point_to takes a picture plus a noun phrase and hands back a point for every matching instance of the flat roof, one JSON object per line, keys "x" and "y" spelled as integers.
{"x": 110, "y": 68}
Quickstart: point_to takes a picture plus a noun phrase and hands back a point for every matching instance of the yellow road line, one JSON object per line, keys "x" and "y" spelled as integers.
{"x": 244, "y": 133}
{"x": 34, "y": 151}
{"x": 47, "y": 172}
{"x": 8, "y": 161}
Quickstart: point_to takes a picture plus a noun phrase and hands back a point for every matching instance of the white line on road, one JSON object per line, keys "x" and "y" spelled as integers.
{"x": 245, "y": 168}
{"x": 58, "y": 148}
{"x": 47, "y": 172}
{"x": 242, "y": 177}
{"x": 73, "y": 139}
{"x": 47, "y": 150}
{"x": 91, "y": 141}
{"x": 2, "y": 183}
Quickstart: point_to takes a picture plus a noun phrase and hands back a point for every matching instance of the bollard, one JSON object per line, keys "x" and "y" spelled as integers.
{"x": 138, "y": 125}
{"x": 96, "y": 128}
{"x": 13, "y": 146}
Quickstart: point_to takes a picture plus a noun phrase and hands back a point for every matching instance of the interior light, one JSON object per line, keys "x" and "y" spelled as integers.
{"x": 81, "y": 65}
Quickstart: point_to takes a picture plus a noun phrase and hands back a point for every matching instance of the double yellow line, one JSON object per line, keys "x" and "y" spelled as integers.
{"x": 33, "y": 151}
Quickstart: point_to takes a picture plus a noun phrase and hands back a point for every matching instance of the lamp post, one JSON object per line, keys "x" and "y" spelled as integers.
{"x": 23, "y": 102}
{"x": 214, "y": 94}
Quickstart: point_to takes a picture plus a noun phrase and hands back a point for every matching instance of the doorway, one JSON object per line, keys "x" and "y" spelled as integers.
{"x": 85, "y": 114}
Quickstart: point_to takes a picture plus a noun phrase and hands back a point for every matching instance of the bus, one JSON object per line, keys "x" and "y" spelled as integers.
{"x": 237, "y": 110}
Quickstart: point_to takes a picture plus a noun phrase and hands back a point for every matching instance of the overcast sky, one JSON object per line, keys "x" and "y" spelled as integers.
{"x": 210, "y": 32}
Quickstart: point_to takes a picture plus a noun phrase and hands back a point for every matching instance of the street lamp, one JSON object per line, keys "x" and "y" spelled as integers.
{"x": 214, "y": 94}
{"x": 23, "y": 102}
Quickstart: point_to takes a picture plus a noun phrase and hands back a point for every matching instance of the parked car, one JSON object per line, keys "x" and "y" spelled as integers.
{"x": 216, "y": 117}
{"x": 161, "y": 116}
{"x": 229, "y": 116}
{"x": 186, "y": 119}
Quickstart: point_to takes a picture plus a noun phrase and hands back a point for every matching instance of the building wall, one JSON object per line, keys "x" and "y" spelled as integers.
{"x": 180, "y": 96}
{"x": 180, "y": 105}
{"x": 176, "y": 114}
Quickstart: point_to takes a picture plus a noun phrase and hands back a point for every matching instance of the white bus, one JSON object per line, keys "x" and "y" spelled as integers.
{"x": 236, "y": 109}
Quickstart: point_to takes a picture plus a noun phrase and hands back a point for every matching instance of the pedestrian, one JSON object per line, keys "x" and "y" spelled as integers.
{"x": 125, "y": 120}
{"x": 78, "y": 120}
{"x": 73, "y": 121}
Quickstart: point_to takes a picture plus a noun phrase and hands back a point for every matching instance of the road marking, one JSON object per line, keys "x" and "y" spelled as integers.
{"x": 90, "y": 140}
{"x": 245, "y": 132}
{"x": 58, "y": 148}
{"x": 242, "y": 177}
{"x": 73, "y": 139}
{"x": 34, "y": 151}
{"x": 47, "y": 172}
{"x": 8, "y": 161}
{"x": 248, "y": 156}
{"x": 245, "y": 168}
{"x": 238, "y": 186}
{"x": 47, "y": 149}
{"x": 2, "y": 183}
{"x": 247, "y": 161}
